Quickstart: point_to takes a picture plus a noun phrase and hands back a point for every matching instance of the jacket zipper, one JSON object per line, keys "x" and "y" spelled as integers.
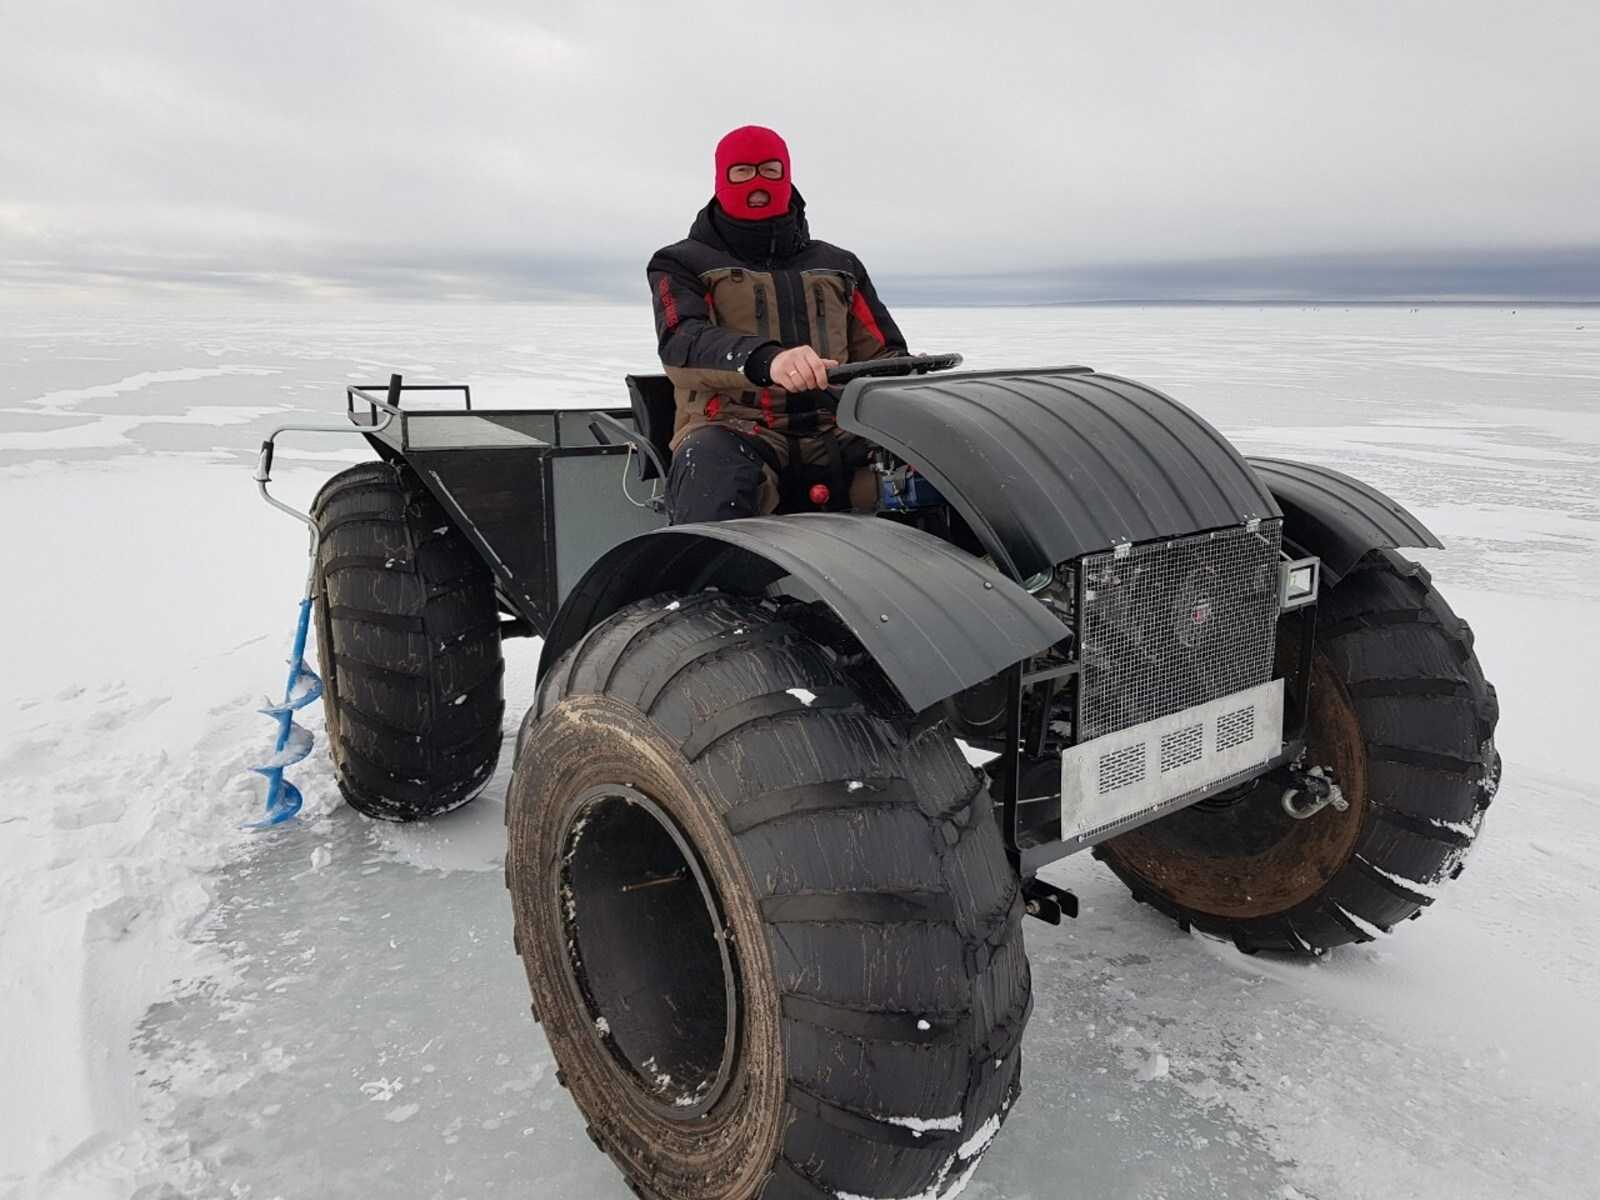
{"x": 822, "y": 321}
{"x": 794, "y": 327}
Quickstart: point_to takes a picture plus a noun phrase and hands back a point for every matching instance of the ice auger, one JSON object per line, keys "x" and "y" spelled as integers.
{"x": 304, "y": 686}
{"x": 294, "y": 740}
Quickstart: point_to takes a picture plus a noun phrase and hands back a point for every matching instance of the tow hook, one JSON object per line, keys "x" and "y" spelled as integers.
{"x": 1311, "y": 792}
{"x": 1048, "y": 902}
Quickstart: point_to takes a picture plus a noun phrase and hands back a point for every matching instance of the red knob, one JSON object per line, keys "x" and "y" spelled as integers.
{"x": 820, "y": 494}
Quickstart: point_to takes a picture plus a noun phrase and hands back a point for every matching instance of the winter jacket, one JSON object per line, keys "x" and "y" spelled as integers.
{"x": 734, "y": 293}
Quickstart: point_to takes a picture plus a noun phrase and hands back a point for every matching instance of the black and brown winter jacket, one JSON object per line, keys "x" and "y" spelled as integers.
{"x": 734, "y": 293}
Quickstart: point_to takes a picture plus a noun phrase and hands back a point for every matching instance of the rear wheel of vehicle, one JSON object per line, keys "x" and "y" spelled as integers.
{"x": 1403, "y": 720}
{"x": 408, "y": 636}
{"x": 769, "y": 926}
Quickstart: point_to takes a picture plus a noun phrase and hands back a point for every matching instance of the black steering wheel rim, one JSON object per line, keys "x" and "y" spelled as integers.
{"x": 904, "y": 364}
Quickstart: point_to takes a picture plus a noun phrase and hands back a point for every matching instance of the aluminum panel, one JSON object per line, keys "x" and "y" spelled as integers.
{"x": 1125, "y": 778}
{"x": 591, "y": 512}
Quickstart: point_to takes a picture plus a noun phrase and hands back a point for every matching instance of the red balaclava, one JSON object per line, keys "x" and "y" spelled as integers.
{"x": 750, "y": 146}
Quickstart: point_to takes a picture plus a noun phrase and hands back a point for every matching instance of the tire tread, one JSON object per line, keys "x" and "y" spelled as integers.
{"x": 409, "y": 639}
{"x": 837, "y": 883}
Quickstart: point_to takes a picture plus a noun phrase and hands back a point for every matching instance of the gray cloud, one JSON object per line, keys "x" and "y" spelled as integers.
{"x": 1005, "y": 152}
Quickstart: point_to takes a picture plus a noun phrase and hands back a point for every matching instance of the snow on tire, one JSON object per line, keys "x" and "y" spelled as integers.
{"x": 1402, "y": 714}
{"x": 769, "y": 926}
{"x": 408, "y": 638}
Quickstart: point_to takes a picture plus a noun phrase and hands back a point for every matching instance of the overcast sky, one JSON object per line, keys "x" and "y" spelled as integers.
{"x": 965, "y": 151}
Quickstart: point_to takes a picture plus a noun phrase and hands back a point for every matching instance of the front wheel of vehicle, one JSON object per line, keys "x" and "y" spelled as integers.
{"x": 770, "y": 929}
{"x": 1403, "y": 720}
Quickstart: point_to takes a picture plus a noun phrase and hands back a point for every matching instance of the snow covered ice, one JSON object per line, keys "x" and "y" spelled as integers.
{"x": 332, "y": 1007}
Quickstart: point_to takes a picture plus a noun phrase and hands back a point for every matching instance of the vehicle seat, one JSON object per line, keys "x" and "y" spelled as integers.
{"x": 655, "y": 413}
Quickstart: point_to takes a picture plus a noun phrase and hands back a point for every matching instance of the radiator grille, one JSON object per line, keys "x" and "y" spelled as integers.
{"x": 1168, "y": 625}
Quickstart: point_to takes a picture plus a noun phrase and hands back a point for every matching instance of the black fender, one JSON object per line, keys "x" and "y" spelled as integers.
{"x": 937, "y": 620}
{"x": 1047, "y": 465}
{"x": 1336, "y": 517}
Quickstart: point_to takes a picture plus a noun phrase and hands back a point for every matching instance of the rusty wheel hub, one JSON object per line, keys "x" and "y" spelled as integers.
{"x": 1251, "y": 857}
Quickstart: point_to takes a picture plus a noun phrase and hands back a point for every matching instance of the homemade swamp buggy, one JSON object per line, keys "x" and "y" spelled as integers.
{"x": 770, "y": 915}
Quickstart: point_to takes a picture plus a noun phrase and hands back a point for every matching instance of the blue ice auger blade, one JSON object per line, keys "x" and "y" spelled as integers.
{"x": 312, "y": 684}
{"x": 291, "y": 750}
{"x": 283, "y": 801}
{"x": 294, "y": 741}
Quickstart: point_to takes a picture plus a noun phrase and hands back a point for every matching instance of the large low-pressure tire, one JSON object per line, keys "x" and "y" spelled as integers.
{"x": 408, "y": 636}
{"x": 1403, "y": 717}
{"x": 769, "y": 925}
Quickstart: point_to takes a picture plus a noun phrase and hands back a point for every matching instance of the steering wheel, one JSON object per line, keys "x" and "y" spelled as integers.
{"x": 906, "y": 364}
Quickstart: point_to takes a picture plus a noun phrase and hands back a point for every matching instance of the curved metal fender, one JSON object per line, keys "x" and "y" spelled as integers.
{"x": 936, "y": 619}
{"x": 1337, "y": 518}
{"x": 1049, "y": 464}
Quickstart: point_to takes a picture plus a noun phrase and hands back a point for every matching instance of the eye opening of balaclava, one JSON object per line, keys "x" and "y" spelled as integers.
{"x": 753, "y": 174}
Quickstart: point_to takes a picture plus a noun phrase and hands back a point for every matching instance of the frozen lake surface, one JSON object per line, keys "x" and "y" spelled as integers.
{"x": 333, "y": 1008}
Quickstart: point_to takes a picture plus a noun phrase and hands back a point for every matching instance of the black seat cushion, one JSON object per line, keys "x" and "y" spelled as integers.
{"x": 655, "y": 412}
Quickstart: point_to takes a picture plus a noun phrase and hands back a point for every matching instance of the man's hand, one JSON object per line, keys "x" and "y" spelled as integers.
{"x": 800, "y": 369}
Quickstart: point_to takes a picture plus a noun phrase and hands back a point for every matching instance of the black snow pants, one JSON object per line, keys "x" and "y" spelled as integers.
{"x": 716, "y": 474}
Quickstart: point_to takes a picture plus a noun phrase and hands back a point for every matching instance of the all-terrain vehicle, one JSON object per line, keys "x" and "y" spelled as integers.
{"x": 771, "y": 915}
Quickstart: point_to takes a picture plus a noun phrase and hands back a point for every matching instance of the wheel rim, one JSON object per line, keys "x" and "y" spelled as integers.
{"x": 648, "y": 953}
{"x": 1248, "y": 858}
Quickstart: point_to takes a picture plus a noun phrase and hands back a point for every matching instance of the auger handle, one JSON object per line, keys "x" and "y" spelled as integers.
{"x": 263, "y": 473}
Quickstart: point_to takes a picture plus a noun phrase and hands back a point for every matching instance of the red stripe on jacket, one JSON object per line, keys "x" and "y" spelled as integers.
{"x": 862, "y": 313}
{"x": 669, "y": 302}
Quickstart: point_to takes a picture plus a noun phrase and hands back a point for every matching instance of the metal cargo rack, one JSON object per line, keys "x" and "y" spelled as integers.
{"x": 503, "y": 475}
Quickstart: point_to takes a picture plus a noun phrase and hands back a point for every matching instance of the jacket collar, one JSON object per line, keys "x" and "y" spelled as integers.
{"x": 763, "y": 243}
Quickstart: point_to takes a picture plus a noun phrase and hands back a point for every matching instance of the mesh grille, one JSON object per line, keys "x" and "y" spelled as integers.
{"x": 1168, "y": 625}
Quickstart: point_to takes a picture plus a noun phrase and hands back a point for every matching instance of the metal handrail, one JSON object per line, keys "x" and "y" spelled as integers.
{"x": 391, "y": 401}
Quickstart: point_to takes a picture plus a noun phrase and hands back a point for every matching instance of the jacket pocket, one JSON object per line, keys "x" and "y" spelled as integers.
{"x": 827, "y": 297}
{"x": 821, "y": 325}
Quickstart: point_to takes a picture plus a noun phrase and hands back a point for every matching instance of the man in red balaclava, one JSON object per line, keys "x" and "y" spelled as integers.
{"x": 750, "y": 314}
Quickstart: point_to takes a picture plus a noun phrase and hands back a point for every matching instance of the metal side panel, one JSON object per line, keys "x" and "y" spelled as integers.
{"x": 1049, "y": 464}
{"x": 1336, "y": 517}
{"x": 501, "y": 500}
{"x": 936, "y": 619}
{"x": 591, "y": 512}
